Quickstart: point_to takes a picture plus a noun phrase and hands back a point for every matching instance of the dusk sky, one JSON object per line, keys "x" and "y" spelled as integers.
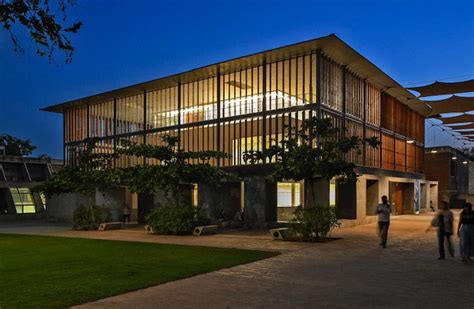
{"x": 126, "y": 42}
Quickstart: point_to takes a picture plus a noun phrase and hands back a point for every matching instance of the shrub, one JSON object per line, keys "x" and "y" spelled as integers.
{"x": 176, "y": 220}
{"x": 315, "y": 222}
{"x": 83, "y": 217}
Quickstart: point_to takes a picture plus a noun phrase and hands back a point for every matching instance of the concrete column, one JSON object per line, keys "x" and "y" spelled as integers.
{"x": 409, "y": 198}
{"x": 424, "y": 197}
{"x": 361, "y": 192}
{"x": 434, "y": 195}
{"x": 260, "y": 200}
{"x": 383, "y": 188}
{"x": 372, "y": 196}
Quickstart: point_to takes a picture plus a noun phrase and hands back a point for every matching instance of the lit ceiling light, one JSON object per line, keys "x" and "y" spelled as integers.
{"x": 454, "y": 158}
{"x": 434, "y": 151}
{"x": 410, "y": 141}
{"x": 465, "y": 162}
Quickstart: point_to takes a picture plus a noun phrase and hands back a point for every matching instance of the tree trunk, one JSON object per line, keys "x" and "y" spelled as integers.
{"x": 177, "y": 194}
{"x": 91, "y": 207}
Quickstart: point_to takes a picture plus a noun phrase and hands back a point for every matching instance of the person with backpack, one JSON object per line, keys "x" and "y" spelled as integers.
{"x": 443, "y": 221}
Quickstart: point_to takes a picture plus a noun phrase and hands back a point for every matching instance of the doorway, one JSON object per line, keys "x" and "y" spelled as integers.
{"x": 402, "y": 197}
{"x": 145, "y": 205}
{"x": 398, "y": 199}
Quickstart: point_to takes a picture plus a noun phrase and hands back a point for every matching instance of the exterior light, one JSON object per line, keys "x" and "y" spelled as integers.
{"x": 434, "y": 151}
{"x": 410, "y": 141}
{"x": 454, "y": 158}
{"x": 465, "y": 162}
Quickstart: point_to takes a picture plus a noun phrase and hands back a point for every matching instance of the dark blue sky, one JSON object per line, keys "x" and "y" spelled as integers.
{"x": 125, "y": 42}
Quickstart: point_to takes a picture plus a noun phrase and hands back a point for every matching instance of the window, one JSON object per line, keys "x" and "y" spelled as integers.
{"x": 195, "y": 195}
{"x": 23, "y": 200}
{"x": 288, "y": 194}
{"x": 332, "y": 193}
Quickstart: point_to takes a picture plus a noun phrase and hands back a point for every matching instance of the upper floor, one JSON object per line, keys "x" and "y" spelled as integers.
{"x": 250, "y": 102}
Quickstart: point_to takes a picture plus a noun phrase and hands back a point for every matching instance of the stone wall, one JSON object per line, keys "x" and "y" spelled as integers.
{"x": 114, "y": 200}
{"x": 214, "y": 197}
{"x": 61, "y": 207}
{"x": 260, "y": 194}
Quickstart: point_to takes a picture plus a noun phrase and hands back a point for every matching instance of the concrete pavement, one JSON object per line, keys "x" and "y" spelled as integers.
{"x": 350, "y": 273}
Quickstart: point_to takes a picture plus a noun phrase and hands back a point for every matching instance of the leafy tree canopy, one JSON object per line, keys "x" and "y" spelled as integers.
{"x": 45, "y": 21}
{"x": 15, "y": 146}
{"x": 96, "y": 171}
{"x": 174, "y": 167}
{"x": 316, "y": 150}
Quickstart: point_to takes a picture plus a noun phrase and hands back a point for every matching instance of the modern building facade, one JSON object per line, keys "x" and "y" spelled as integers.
{"x": 18, "y": 175}
{"x": 451, "y": 168}
{"x": 249, "y": 103}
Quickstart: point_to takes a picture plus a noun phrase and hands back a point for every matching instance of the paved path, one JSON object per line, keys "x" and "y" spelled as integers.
{"x": 252, "y": 240}
{"x": 350, "y": 273}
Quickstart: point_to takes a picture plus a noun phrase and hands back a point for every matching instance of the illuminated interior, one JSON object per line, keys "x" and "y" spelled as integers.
{"x": 332, "y": 193}
{"x": 288, "y": 194}
{"x": 23, "y": 200}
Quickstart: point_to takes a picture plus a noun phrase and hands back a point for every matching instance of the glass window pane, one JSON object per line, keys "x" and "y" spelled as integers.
{"x": 332, "y": 193}
{"x": 288, "y": 194}
{"x": 29, "y": 209}
{"x": 284, "y": 195}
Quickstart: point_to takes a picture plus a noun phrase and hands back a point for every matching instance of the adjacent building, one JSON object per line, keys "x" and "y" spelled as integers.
{"x": 18, "y": 175}
{"x": 248, "y": 103}
{"x": 451, "y": 168}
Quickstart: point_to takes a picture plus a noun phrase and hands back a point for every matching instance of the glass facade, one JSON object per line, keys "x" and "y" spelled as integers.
{"x": 251, "y": 107}
{"x": 288, "y": 194}
{"x": 23, "y": 200}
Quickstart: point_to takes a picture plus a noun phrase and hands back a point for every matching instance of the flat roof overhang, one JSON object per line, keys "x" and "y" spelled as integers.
{"x": 331, "y": 46}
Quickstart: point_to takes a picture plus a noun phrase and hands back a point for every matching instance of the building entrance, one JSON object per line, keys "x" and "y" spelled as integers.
{"x": 402, "y": 198}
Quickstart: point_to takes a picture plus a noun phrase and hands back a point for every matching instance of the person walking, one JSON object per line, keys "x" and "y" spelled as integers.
{"x": 444, "y": 222}
{"x": 383, "y": 211}
{"x": 466, "y": 232}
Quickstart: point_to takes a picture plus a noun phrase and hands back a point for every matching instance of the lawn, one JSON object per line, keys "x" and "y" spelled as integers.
{"x": 55, "y": 272}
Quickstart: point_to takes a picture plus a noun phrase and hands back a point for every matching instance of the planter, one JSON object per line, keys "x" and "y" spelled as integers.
{"x": 149, "y": 229}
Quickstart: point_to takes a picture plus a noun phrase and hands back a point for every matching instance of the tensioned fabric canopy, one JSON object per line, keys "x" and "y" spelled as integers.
{"x": 461, "y": 127}
{"x": 457, "y": 119}
{"x": 439, "y": 88}
{"x": 469, "y": 132}
{"x": 453, "y": 104}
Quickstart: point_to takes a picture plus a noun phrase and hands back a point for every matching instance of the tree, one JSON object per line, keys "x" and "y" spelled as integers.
{"x": 15, "y": 146}
{"x": 173, "y": 170}
{"x": 313, "y": 152}
{"x": 40, "y": 19}
{"x": 94, "y": 171}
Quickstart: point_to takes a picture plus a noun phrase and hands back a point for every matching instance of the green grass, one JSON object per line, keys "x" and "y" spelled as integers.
{"x": 55, "y": 272}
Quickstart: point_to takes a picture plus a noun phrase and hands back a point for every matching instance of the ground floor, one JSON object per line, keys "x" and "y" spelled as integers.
{"x": 255, "y": 200}
{"x": 347, "y": 273}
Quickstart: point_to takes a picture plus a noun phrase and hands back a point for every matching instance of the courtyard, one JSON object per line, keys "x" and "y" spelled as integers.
{"x": 352, "y": 272}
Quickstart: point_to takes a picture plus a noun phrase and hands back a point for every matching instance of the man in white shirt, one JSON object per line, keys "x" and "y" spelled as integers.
{"x": 383, "y": 211}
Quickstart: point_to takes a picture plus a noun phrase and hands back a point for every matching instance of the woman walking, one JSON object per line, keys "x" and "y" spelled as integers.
{"x": 466, "y": 232}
